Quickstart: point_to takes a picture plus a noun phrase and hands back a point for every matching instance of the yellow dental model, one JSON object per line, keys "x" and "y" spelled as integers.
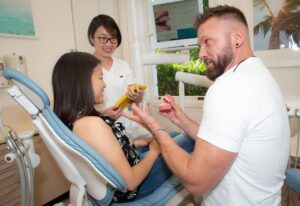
{"x": 124, "y": 101}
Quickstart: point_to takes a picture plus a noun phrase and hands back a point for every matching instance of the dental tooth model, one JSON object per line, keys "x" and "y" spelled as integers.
{"x": 165, "y": 106}
{"x": 124, "y": 101}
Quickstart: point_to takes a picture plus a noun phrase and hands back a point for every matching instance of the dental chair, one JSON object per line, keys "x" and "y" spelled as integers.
{"x": 93, "y": 180}
{"x": 293, "y": 171}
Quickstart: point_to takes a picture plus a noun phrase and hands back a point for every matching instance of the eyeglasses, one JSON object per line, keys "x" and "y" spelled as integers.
{"x": 104, "y": 40}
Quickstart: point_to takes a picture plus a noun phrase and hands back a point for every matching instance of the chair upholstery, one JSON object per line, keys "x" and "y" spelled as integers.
{"x": 293, "y": 179}
{"x": 90, "y": 175}
{"x": 293, "y": 172}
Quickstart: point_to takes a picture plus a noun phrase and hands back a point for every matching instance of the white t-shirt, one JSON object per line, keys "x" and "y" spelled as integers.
{"x": 117, "y": 80}
{"x": 244, "y": 112}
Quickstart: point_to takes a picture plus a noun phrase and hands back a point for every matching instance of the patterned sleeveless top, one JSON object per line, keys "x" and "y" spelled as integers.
{"x": 130, "y": 153}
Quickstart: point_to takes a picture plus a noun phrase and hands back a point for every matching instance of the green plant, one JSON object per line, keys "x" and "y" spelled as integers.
{"x": 166, "y": 76}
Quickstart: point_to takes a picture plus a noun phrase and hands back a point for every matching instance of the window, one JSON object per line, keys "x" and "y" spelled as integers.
{"x": 163, "y": 42}
{"x": 166, "y": 75}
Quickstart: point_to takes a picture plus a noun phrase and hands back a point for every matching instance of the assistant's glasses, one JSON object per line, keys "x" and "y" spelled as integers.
{"x": 104, "y": 40}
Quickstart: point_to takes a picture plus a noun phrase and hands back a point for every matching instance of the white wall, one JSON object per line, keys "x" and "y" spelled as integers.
{"x": 84, "y": 12}
{"x": 53, "y": 26}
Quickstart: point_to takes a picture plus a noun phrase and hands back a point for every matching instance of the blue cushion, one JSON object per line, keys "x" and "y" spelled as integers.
{"x": 18, "y": 76}
{"x": 105, "y": 201}
{"x": 160, "y": 196}
{"x": 293, "y": 179}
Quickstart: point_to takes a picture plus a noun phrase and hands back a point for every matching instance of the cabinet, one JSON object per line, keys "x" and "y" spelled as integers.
{"x": 10, "y": 192}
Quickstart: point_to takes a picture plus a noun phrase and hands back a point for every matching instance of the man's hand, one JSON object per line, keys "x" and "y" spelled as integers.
{"x": 142, "y": 116}
{"x": 176, "y": 115}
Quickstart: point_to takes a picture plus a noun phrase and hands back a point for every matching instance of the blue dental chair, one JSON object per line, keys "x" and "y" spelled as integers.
{"x": 293, "y": 179}
{"x": 293, "y": 171}
{"x": 93, "y": 180}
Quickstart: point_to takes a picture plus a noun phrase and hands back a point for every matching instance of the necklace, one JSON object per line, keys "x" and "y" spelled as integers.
{"x": 240, "y": 63}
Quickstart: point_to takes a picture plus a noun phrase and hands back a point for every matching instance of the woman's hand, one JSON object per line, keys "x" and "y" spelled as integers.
{"x": 113, "y": 112}
{"x": 142, "y": 142}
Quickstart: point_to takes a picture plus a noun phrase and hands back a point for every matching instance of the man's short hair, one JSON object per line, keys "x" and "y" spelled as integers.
{"x": 223, "y": 11}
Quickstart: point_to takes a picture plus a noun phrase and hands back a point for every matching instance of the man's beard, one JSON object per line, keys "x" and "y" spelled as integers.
{"x": 217, "y": 68}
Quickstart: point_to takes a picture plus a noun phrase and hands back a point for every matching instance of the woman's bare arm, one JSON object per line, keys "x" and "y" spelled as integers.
{"x": 99, "y": 135}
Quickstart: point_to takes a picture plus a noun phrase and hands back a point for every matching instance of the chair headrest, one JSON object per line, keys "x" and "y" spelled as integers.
{"x": 19, "y": 77}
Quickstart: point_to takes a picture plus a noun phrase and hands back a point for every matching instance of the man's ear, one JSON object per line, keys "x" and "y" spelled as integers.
{"x": 237, "y": 37}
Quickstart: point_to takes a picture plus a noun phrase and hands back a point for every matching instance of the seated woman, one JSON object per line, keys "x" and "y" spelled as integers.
{"x": 77, "y": 87}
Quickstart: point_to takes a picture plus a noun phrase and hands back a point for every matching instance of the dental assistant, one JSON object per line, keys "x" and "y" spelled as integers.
{"x": 105, "y": 36}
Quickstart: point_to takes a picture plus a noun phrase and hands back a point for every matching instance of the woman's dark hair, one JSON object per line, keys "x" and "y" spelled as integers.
{"x": 223, "y": 11}
{"x": 108, "y": 23}
{"x": 72, "y": 86}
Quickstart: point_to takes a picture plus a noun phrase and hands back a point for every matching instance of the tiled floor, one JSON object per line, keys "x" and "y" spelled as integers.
{"x": 289, "y": 197}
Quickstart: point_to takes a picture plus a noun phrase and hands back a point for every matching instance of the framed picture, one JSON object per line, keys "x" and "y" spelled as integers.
{"x": 16, "y": 19}
{"x": 276, "y": 31}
